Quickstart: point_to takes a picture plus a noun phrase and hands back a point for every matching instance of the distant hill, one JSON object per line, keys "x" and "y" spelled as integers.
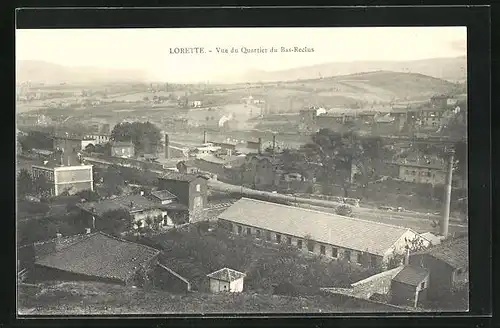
{"x": 365, "y": 89}
{"x": 451, "y": 69}
{"x": 50, "y": 73}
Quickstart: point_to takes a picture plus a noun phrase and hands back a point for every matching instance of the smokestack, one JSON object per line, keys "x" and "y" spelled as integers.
{"x": 167, "y": 147}
{"x": 407, "y": 257}
{"x": 447, "y": 194}
{"x": 204, "y": 137}
{"x": 260, "y": 145}
{"x": 274, "y": 143}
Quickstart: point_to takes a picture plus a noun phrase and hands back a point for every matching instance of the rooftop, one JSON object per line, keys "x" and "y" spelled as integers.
{"x": 454, "y": 252}
{"x": 412, "y": 276}
{"x": 119, "y": 260}
{"x": 131, "y": 203}
{"x": 320, "y": 226}
{"x": 226, "y": 274}
{"x": 163, "y": 195}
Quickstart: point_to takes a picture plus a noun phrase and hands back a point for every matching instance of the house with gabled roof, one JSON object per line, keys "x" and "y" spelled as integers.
{"x": 447, "y": 263}
{"x": 95, "y": 257}
{"x": 226, "y": 280}
{"x": 329, "y": 235}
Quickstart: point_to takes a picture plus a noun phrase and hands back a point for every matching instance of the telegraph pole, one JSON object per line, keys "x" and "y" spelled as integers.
{"x": 447, "y": 193}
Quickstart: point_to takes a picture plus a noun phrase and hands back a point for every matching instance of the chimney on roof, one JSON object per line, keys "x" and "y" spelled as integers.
{"x": 447, "y": 195}
{"x": 131, "y": 204}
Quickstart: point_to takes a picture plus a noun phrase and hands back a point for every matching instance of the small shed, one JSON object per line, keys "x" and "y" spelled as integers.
{"x": 409, "y": 286}
{"x": 226, "y": 280}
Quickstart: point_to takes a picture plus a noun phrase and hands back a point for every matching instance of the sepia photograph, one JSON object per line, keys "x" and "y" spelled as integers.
{"x": 241, "y": 170}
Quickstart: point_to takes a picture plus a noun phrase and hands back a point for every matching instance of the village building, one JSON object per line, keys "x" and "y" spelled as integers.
{"x": 422, "y": 171}
{"x": 144, "y": 211}
{"x": 328, "y": 235}
{"x": 123, "y": 149}
{"x": 99, "y": 138}
{"x": 226, "y": 280}
{"x": 68, "y": 147}
{"x": 447, "y": 263}
{"x": 190, "y": 190}
{"x": 65, "y": 178}
{"x": 164, "y": 196}
{"x": 81, "y": 258}
{"x": 409, "y": 287}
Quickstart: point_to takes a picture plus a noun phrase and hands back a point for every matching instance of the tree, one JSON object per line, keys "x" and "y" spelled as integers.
{"x": 113, "y": 181}
{"x": 146, "y": 137}
{"x": 413, "y": 245}
{"x": 344, "y": 210}
{"x": 90, "y": 148}
{"x": 116, "y": 222}
{"x": 41, "y": 186}
{"x": 24, "y": 183}
{"x": 346, "y": 157}
{"x": 88, "y": 195}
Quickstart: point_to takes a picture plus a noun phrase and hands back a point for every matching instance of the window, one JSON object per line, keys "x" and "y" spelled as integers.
{"x": 299, "y": 244}
{"x": 373, "y": 260}
{"x": 278, "y": 238}
{"x": 198, "y": 188}
{"x": 268, "y": 236}
{"x": 360, "y": 258}
{"x": 335, "y": 252}
{"x": 322, "y": 250}
{"x": 347, "y": 255}
{"x": 249, "y": 231}
{"x": 289, "y": 240}
{"x": 422, "y": 285}
{"x": 413, "y": 172}
{"x": 310, "y": 246}
{"x": 257, "y": 234}
{"x": 239, "y": 230}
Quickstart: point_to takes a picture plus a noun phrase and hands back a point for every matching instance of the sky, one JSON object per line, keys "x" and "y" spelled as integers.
{"x": 149, "y": 49}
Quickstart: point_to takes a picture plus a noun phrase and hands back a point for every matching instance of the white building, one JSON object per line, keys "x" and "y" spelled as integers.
{"x": 226, "y": 280}
{"x": 66, "y": 178}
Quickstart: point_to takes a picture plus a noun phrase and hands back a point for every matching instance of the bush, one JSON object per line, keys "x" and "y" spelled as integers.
{"x": 344, "y": 210}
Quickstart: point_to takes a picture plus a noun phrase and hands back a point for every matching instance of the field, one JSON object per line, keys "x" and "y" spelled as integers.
{"x": 78, "y": 298}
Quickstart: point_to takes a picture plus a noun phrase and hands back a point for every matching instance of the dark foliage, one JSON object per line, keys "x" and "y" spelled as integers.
{"x": 146, "y": 136}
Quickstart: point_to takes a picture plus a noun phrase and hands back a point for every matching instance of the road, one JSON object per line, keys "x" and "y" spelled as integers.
{"x": 417, "y": 221}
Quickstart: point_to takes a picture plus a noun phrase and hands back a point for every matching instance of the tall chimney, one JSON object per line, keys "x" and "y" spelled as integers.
{"x": 407, "y": 257}
{"x": 204, "y": 137}
{"x": 260, "y": 145}
{"x": 274, "y": 143}
{"x": 447, "y": 194}
{"x": 167, "y": 147}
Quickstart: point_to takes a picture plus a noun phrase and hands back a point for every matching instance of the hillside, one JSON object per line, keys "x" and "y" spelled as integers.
{"x": 50, "y": 73}
{"x": 452, "y": 69}
{"x": 345, "y": 90}
{"x": 77, "y": 298}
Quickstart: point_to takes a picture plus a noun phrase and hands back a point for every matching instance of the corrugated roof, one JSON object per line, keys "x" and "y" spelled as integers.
{"x": 412, "y": 276}
{"x": 163, "y": 194}
{"x": 226, "y": 274}
{"x": 100, "y": 255}
{"x": 356, "y": 234}
{"x": 454, "y": 252}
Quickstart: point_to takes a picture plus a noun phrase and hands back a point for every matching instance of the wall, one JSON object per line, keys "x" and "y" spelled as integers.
{"x": 237, "y": 285}
{"x": 166, "y": 279}
{"x": 352, "y": 302}
{"x": 217, "y": 286}
{"x": 41, "y": 273}
{"x": 402, "y": 294}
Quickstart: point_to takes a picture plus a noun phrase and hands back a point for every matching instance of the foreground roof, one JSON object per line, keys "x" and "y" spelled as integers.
{"x": 226, "y": 274}
{"x": 412, "y": 276}
{"x": 454, "y": 252}
{"x": 356, "y": 234}
{"x": 100, "y": 255}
